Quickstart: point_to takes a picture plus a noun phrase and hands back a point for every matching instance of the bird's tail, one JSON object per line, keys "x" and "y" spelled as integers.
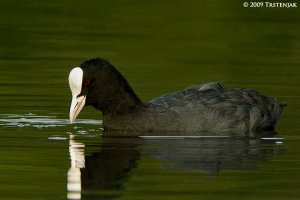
{"x": 266, "y": 113}
{"x": 276, "y": 109}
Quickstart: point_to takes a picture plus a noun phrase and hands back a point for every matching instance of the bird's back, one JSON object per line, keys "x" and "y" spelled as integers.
{"x": 219, "y": 110}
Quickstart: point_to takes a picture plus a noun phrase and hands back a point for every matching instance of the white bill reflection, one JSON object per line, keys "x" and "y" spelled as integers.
{"x": 76, "y": 150}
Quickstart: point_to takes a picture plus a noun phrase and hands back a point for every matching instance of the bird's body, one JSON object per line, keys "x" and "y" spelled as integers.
{"x": 208, "y": 108}
{"x": 191, "y": 110}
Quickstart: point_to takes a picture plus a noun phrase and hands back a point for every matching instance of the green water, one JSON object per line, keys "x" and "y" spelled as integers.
{"x": 161, "y": 47}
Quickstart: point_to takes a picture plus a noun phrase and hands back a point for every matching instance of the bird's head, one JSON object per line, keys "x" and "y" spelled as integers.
{"x": 98, "y": 83}
{"x": 87, "y": 83}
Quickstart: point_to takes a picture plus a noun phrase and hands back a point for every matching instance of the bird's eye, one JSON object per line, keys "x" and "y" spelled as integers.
{"x": 87, "y": 82}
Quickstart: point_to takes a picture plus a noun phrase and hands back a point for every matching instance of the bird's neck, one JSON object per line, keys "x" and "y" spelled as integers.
{"x": 122, "y": 100}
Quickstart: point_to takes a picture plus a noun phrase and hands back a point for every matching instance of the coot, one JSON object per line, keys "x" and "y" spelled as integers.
{"x": 208, "y": 108}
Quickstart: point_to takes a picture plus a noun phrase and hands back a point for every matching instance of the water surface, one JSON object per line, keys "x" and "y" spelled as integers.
{"x": 161, "y": 47}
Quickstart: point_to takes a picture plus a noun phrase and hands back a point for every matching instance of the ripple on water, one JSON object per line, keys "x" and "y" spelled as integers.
{"x": 41, "y": 121}
{"x": 57, "y": 138}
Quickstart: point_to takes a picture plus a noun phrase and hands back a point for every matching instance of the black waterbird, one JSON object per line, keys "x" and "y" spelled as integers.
{"x": 208, "y": 108}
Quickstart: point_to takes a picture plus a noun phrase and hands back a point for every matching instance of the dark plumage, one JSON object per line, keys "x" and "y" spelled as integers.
{"x": 206, "y": 108}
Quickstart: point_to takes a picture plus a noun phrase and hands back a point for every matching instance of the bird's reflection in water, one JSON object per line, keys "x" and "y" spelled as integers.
{"x": 76, "y": 150}
{"x": 214, "y": 155}
{"x": 107, "y": 169}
